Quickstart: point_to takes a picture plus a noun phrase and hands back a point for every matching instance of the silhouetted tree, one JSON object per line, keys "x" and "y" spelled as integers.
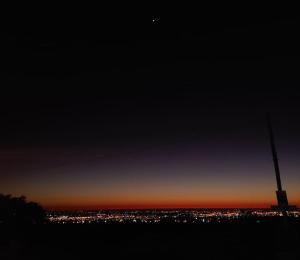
{"x": 16, "y": 210}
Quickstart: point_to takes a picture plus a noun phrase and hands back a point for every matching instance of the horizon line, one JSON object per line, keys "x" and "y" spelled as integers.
{"x": 159, "y": 208}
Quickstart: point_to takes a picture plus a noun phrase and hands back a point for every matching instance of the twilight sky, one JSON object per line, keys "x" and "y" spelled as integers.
{"x": 114, "y": 114}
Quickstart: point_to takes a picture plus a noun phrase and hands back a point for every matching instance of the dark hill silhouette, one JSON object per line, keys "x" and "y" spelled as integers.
{"x": 16, "y": 210}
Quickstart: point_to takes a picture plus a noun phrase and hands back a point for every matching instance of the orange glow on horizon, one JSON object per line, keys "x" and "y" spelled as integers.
{"x": 161, "y": 195}
{"x": 107, "y": 206}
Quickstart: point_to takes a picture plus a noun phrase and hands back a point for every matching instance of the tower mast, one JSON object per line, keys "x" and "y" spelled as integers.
{"x": 274, "y": 153}
{"x": 282, "y": 200}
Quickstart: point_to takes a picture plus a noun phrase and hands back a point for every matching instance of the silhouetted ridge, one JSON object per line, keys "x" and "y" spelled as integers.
{"x": 16, "y": 210}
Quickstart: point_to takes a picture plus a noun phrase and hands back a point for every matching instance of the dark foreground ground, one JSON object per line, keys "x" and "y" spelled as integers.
{"x": 251, "y": 239}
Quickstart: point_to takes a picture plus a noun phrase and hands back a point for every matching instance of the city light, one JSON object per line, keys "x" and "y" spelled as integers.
{"x": 163, "y": 216}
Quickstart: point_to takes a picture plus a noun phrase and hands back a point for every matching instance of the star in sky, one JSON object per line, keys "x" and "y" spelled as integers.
{"x": 155, "y": 20}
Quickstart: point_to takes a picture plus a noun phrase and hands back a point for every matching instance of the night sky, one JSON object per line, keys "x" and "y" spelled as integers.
{"x": 150, "y": 109}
